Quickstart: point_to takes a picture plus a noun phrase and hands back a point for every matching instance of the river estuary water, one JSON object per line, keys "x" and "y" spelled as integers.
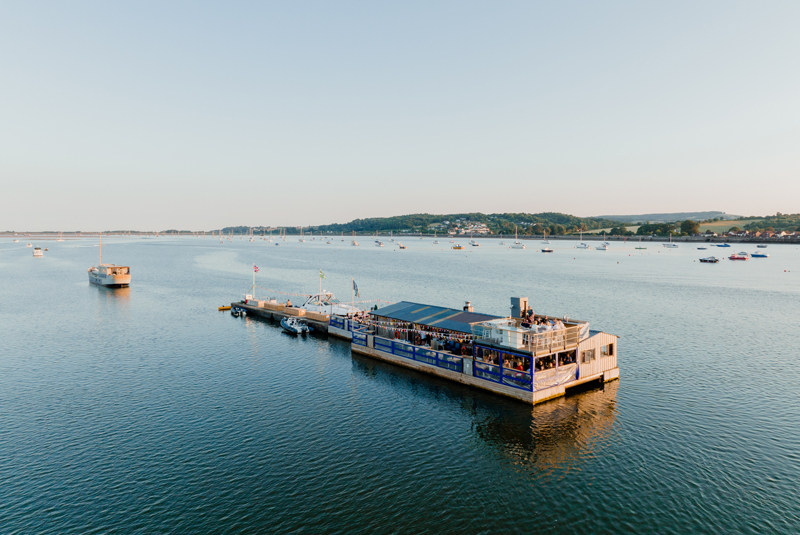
{"x": 145, "y": 410}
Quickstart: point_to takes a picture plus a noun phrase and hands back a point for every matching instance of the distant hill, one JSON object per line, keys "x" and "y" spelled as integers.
{"x": 476, "y": 222}
{"x": 670, "y": 217}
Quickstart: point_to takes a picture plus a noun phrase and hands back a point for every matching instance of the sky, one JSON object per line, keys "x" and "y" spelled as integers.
{"x": 198, "y": 115}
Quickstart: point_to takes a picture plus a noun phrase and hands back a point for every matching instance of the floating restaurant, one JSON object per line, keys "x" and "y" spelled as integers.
{"x": 525, "y": 356}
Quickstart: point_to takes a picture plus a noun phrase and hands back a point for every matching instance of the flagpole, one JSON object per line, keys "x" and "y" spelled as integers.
{"x": 254, "y": 280}
{"x": 353, "y": 289}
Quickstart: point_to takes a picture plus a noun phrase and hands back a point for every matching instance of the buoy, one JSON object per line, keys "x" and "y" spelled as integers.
{"x": 224, "y": 308}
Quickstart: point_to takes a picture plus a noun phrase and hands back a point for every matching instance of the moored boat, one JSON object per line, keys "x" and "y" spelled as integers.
{"x": 762, "y": 245}
{"x": 710, "y": 260}
{"x": 547, "y": 250}
{"x": 295, "y": 326}
{"x": 760, "y": 255}
{"x": 517, "y": 244}
{"x": 739, "y": 256}
{"x": 109, "y": 275}
{"x": 458, "y": 247}
{"x": 37, "y": 251}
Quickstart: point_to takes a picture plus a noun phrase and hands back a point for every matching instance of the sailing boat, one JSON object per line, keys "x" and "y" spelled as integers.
{"x": 517, "y": 244}
{"x": 301, "y": 235}
{"x": 640, "y": 244}
{"x": 109, "y": 275}
{"x": 670, "y": 244}
{"x": 354, "y": 243}
{"x": 603, "y": 246}
{"x": 60, "y": 236}
{"x": 582, "y": 245}
{"x": 435, "y": 241}
{"x": 473, "y": 242}
{"x": 545, "y": 237}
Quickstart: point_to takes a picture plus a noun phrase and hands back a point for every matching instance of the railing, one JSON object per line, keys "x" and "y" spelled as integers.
{"x": 420, "y": 354}
{"x": 514, "y": 369}
{"x": 337, "y": 322}
{"x": 360, "y": 339}
{"x": 509, "y": 335}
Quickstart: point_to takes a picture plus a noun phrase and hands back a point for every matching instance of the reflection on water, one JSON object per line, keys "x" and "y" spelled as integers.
{"x": 548, "y": 436}
{"x": 113, "y": 295}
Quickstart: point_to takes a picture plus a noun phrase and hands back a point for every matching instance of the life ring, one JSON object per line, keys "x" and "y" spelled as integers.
{"x": 464, "y": 350}
{"x": 418, "y": 340}
{"x": 397, "y": 335}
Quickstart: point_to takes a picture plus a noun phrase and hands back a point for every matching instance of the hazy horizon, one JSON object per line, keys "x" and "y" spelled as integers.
{"x": 155, "y": 116}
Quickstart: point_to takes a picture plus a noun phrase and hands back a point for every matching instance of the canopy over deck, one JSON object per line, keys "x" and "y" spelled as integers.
{"x": 440, "y": 317}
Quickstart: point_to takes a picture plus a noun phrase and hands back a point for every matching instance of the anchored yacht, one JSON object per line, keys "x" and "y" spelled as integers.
{"x": 109, "y": 275}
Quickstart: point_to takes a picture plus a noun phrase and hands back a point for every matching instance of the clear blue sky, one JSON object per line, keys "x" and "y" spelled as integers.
{"x": 196, "y": 115}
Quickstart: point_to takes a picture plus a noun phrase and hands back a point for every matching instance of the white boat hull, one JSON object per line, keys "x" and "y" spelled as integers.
{"x": 110, "y": 281}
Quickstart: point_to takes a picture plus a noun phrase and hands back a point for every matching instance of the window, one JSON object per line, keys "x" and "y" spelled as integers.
{"x": 587, "y": 356}
{"x": 607, "y": 351}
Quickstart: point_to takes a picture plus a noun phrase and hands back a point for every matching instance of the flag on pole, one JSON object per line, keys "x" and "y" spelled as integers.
{"x": 355, "y": 288}
{"x": 255, "y": 268}
{"x": 321, "y": 274}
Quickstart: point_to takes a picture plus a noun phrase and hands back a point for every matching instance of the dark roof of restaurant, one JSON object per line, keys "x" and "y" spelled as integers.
{"x": 441, "y": 317}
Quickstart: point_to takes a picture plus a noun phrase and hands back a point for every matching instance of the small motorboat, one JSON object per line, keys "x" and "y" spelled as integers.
{"x": 378, "y": 244}
{"x": 354, "y": 243}
{"x": 760, "y": 255}
{"x": 710, "y": 260}
{"x": 295, "y": 326}
{"x": 547, "y": 250}
{"x": 602, "y": 247}
{"x": 16, "y": 241}
{"x": 640, "y": 247}
{"x": 739, "y": 256}
{"x": 702, "y": 248}
{"x": 28, "y": 245}
{"x": 401, "y": 245}
{"x": 762, "y": 246}
{"x": 458, "y": 247}
{"x": 37, "y": 251}
{"x": 582, "y": 246}
{"x": 723, "y": 245}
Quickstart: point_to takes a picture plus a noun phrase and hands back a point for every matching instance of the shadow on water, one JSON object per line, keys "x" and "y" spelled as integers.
{"x": 549, "y": 435}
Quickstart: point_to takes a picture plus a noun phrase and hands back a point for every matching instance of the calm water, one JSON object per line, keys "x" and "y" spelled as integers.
{"x": 144, "y": 410}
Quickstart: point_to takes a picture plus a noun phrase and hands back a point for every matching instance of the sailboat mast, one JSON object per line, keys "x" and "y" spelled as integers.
{"x": 100, "y": 252}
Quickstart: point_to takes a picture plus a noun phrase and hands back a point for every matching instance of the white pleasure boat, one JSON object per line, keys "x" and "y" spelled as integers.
{"x": 109, "y": 275}
{"x": 517, "y": 244}
{"x": 326, "y": 303}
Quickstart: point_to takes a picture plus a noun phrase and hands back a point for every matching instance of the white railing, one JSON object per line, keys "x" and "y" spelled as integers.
{"x": 509, "y": 334}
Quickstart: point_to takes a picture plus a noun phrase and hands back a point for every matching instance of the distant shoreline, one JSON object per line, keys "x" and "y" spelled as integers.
{"x": 527, "y": 238}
